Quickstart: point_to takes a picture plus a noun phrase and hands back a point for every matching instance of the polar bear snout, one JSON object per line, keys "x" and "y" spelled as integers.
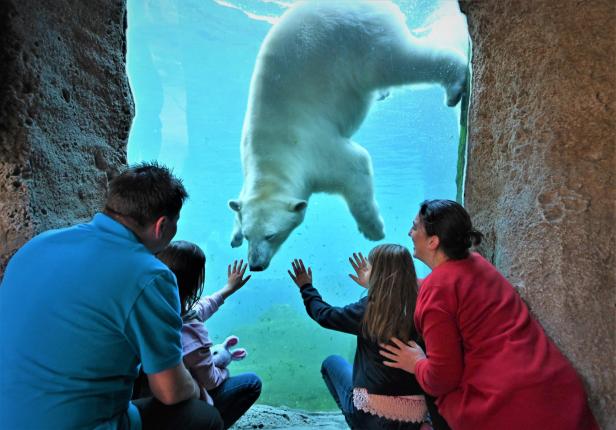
{"x": 259, "y": 255}
{"x": 258, "y": 266}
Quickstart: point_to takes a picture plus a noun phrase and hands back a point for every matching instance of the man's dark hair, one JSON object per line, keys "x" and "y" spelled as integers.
{"x": 145, "y": 192}
{"x": 450, "y": 222}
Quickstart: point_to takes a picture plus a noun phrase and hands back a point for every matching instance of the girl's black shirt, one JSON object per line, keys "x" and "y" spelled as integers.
{"x": 369, "y": 372}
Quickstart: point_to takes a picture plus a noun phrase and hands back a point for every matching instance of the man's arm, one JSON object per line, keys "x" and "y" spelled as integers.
{"x": 173, "y": 385}
{"x": 153, "y": 329}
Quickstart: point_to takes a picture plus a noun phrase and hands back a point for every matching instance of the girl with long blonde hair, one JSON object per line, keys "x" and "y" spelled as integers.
{"x": 370, "y": 394}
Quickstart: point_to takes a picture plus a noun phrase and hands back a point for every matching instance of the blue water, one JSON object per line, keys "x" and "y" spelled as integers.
{"x": 189, "y": 64}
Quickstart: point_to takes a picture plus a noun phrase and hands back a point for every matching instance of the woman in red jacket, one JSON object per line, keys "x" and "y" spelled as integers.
{"x": 488, "y": 362}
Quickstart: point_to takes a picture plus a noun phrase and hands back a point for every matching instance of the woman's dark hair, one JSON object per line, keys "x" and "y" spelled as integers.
{"x": 392, "y": 294}
{"x": 145, "y": 192}
{"x": 187, "y": 261}
{"x": 450, "y": 222}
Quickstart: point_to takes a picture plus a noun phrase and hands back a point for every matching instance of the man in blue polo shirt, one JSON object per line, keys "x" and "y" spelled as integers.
{"x": 82, "y": 307}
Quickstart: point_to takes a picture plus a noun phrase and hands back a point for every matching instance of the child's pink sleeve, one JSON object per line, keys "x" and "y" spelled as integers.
{"x": 207, "y": 306}
{"x": 202, "y": 368}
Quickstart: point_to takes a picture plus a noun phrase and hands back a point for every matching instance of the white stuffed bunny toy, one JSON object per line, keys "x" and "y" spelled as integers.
{"x": 222, "y": 354}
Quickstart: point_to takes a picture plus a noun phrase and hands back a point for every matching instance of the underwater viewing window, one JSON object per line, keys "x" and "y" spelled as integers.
{"x": 190, "y": 64}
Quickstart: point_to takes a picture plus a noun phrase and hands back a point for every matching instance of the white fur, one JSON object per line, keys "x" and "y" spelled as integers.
{"x": 316, "y": 75}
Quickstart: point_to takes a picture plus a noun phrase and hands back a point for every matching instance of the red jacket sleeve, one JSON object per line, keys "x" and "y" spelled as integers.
{"x": 442, "y": 371}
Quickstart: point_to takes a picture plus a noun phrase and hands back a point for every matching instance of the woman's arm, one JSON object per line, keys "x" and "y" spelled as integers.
{"x": 441, "y": 372}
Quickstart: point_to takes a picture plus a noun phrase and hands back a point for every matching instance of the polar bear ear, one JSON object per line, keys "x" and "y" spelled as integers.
{"x": 297, "y": 205}
{"x": 235, "y": 205}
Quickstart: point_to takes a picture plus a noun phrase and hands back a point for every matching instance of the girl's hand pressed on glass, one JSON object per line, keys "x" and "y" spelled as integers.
{"x": 300, "y": 275}
{"x": 235, "y": 277}
{"x": 362, "y": 269}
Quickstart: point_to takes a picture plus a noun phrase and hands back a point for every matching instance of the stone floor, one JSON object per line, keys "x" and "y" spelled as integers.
{"x": 268, "y": 417}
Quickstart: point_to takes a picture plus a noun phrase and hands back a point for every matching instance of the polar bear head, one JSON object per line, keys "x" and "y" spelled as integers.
{"x": 265, "y": 224}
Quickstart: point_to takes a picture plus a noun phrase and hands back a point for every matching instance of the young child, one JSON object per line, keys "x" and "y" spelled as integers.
{"x": 231, "y": 395}
{"x": 370, "y": 394}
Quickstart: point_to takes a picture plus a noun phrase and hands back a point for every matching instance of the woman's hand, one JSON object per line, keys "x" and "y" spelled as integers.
{"x": 362, "y": 269}
{"x": 300, "y": 275}
{"x": 235, "y": 278}
{"x": 402, "y": 356}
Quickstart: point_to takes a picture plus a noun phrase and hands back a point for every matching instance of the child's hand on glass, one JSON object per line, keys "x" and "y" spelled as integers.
{"x": 300, "y": 275}
{"x": 235, "y": 278}
{"x": 362, "y": 269}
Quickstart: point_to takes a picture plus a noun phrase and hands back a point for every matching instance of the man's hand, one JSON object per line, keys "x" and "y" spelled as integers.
{"x": 235, "y": 278}
{"x": 403, "y": 356}
{"x": 300, "y": 275}
{"x": 362, "y": 269}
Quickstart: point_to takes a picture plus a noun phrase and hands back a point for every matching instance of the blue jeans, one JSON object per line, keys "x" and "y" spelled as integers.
{"x": 338, "y": 376}
{"x": 193, "y": 414}
{"x": 235, "y": 396}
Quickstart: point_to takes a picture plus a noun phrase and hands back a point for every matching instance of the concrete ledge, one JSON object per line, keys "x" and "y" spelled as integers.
{"x": 268, "y": 417}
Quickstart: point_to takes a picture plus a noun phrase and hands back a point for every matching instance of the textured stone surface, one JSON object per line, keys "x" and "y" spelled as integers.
{"x": 267, "y": 417}
{"x": 65, "y": 112}
{"x": 540, "y": 176}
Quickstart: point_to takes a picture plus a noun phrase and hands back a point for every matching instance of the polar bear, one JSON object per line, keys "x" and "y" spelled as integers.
{"x": 317, "y": 72}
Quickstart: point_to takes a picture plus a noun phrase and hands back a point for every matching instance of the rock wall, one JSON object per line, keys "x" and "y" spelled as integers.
{"x": 65, "y": 112}
{"x": 540, "y": 174}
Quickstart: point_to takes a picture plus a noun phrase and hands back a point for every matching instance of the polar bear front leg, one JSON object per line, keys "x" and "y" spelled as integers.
{"x": 359, "y": 194}
{"x": 366, "y": 212}
{"x": 236, "y": 234}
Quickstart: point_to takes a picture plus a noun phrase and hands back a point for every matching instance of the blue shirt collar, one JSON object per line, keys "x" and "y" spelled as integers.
{"x": 105, "y": 223}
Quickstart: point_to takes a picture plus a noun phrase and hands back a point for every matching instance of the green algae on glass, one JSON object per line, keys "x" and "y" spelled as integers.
{"x": 461, "y": 161}
{"x": 286, "y": 348}
{"x": 461, "y": 165}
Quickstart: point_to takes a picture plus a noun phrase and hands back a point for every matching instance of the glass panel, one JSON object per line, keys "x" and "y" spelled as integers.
{"x": 190, "y": 64}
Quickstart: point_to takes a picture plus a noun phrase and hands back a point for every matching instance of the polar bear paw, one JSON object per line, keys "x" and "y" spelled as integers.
{"x": 374, "y": 230}
{"x": 455, "y": 93}
{"x": 237, "y": 238}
